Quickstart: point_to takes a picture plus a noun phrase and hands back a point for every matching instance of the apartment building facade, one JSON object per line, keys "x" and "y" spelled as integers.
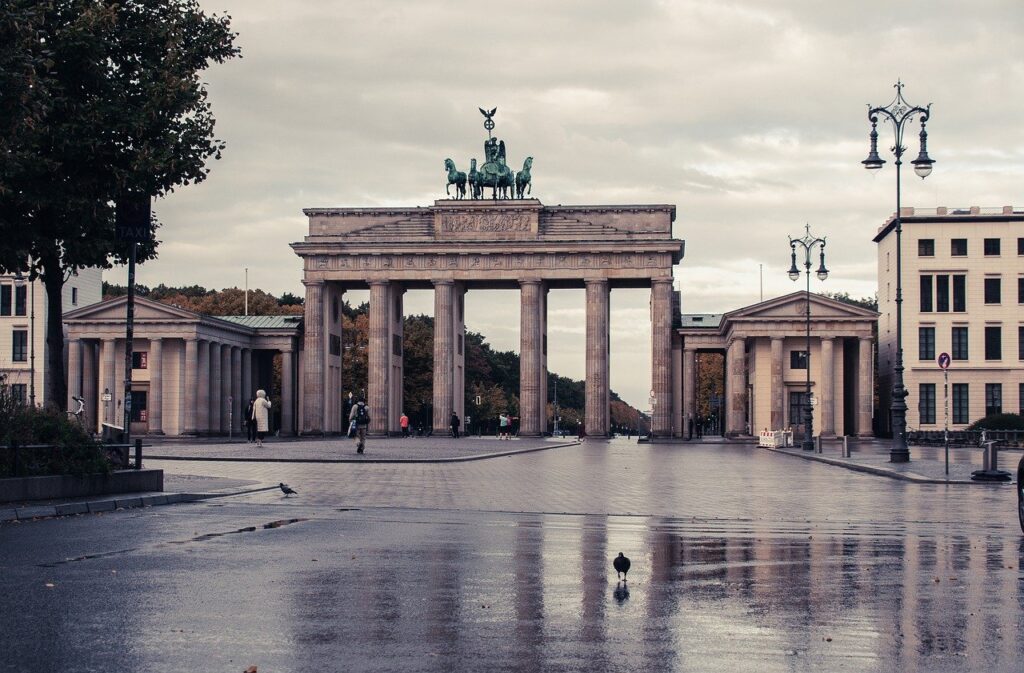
{"x": 23, "y": 310}
{"x": 963, "y": 294}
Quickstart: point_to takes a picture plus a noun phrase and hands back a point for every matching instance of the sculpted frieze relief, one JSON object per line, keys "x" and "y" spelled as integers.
{"x": 485, "y": 222}
{"x": 358, "y": 264}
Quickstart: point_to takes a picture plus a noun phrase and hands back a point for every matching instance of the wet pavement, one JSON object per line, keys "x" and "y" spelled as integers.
{"x": 743, "y": 560}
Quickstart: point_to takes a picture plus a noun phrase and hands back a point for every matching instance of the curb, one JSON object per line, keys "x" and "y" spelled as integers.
{"x": 878, "y": 471}
{"x": 31, "y": 512}
{"x": 457, "y": 459}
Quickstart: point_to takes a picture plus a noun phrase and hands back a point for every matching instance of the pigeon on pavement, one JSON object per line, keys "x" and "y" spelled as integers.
{"x": 621, "y": 565}
{"x": 288, "y": 490}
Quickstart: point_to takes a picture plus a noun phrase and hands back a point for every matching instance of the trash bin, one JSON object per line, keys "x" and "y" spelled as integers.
{"x": 112, "y": 434}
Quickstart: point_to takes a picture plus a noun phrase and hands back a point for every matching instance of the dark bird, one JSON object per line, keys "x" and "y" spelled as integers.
{"x": 288, "y": 490}
{"x": 621, "y": 565}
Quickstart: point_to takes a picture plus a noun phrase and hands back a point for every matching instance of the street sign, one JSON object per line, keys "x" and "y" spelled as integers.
{"x": 944, "y": 360}
{"x": 106, "y": 397}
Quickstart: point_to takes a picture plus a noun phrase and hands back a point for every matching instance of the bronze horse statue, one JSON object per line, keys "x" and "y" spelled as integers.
{"x": 523, "y": 183}
{"x": 455, "y": 177}
{"x": 476, "y": 189}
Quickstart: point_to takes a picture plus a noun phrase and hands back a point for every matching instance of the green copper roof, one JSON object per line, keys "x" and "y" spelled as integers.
{"x": 700, "y": 319}
{"x": 264, "y": 321}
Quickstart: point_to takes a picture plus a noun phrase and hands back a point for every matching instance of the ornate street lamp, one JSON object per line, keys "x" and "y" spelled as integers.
{"x": 807, "y": 243}
{"x": 900, "y": 113}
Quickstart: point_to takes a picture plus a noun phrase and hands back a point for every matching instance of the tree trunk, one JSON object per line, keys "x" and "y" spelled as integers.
{"x": 56, "y": 387}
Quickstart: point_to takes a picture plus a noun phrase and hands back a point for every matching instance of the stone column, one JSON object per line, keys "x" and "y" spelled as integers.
{"x": 530, "y": 346}
{"x": 225, "y": 387}
{"x": 156, "y": 386}
{"x": 191, "y": 382}
{"x": 203, "y": 388}
{"x": 689, "y": 390}
{"x": 216, "y": 377}
{"x": 865, "y": 394}
{"x": 597, "y": 411}
{"x": 109, "y": 380}
{"x": 313, "y": 374}
{"x": 678, "y": 413}
{"x": 246, "y": 389}
{"x": 828, "y": 404}
{"x": 377, "y": 357}
{"x": 74, "y": 372}
{"x": 736, "y": 391}
{"x": 287, "y": 392}
{"x": 238, "y": 403}
{"x": 778, "y": 388}
{"x": 661, "y": 356}
{"x": 444, "y": 291}
{"x": 90, "y": 383}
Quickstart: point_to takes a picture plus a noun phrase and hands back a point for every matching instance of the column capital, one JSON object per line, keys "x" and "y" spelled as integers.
{"x": 869, "y": 339}
{"x": 530, "y": 281}
{"x": 827, "y": 338}
{"x": 689, "y": 349}
{"x": 442, "y": 281}
{"x": 313, "y": 283}
{"x": 379, "y": 283}
{"x": 667, "y": 280}
{"x": 778, "y": 338}
{"x": 596, "y": 281}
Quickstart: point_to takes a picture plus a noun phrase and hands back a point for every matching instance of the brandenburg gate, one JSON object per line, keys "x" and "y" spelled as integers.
{"x": 457, "y": 245}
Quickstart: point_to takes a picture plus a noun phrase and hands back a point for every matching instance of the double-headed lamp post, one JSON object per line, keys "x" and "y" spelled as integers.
{"x": 808, "y": 242}
{"x": 900, "y": 113}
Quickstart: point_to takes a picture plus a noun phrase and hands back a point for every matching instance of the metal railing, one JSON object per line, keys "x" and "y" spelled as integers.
{"x": 17, "y": 457}
{"x": 1002, "y": 438}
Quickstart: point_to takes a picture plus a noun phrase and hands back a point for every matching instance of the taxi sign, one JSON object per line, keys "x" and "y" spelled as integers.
{"x": 944, "y": 360}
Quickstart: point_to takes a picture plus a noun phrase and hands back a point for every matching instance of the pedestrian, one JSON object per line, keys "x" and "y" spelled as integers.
{"x": 261, "y": 416}
{"x": 361, "y": 417}
{"x": 502, "y": 426}
{"x": 404, "y": 422}
{"x": 689, "y": 434}
{"x": 455, "y": 423}
{"x": 250, "y": 425}
{"x": 700, "y": 427}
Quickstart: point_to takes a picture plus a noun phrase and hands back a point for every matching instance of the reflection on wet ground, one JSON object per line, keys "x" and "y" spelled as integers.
{"x": 865, "y": 578}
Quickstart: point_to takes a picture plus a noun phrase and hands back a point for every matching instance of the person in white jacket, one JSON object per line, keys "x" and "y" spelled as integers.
{"x": 261, "y": 416}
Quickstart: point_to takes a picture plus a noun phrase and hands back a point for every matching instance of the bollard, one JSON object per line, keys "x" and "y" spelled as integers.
{"x": 138, "y": 454}
{"x": 846, "y": 446}
{"x": 817, "y": 444}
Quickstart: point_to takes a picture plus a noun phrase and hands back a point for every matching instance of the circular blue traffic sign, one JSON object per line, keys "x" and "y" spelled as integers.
{"x": 944, "y": 360}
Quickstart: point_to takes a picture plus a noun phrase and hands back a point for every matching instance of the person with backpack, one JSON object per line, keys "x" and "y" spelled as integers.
{"x": 455, "y": 423}
{"x": 360, "y": 416}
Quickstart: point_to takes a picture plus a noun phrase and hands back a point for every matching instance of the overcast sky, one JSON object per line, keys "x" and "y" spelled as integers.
{"x": 749, "y": 116}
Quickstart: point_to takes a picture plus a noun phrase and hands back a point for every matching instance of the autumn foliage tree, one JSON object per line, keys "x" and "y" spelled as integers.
{"x": 100, "y": 101}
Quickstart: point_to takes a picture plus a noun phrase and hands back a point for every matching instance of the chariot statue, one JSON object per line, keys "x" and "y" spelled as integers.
{"x": 494, "y": 172}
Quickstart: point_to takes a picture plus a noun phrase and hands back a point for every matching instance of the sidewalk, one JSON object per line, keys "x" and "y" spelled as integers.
{"x": 927, "y": 463}
{"x": 343, "y": 450}
{"x": 177, "y": 488}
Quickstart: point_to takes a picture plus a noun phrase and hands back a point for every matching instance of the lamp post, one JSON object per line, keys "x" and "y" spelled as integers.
{"x": 808, "y": 242}
{"x": 20, "y": 281}
{"x": 899, "y": 113}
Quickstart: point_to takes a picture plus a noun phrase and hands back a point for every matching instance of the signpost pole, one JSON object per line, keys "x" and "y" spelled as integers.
{"x": 944, "y": 361}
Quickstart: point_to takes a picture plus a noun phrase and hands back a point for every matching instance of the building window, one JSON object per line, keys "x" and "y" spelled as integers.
{"x": 5, "y": 300}
{"x": 942, "y": 293}
{"x": 960, "y": 347}
{"x": 140, "y": 360}
{"x": 991, "y": 246}
{"x": 926, "y": 403}
{"x": 797, "y": 403}
{"x": 926, "y": 343}
{"x": 1020, "y": 246}
{"x": 960, "y": 293}
{"x": 993, "y": 398}
{"x": 993, "y": 342}
{"x": 926, "y": 247}
{"x": 20, "y": 295}
{"x": 1020, "y": 342}
{"x": 993, "y": 290}
{"x": 798, "y": 359}
{"x": 1020, "y": 397}
{"x": 958, "y": 247}
{"x": 19, "y": 345}
{"x": 926, "y": 294}
{"x": 19, "y": 393}
{"x": 961, "y": 408}
{"x": 74, "y": 296}
{"x": 1020, "y": 290}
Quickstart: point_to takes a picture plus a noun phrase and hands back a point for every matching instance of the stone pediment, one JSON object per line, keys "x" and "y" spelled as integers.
{"x": 145, "y": 310}
{"x": 794, "y": 306}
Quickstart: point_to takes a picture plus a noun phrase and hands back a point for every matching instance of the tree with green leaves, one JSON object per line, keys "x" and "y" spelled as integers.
{"x": 100, "y": 103}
